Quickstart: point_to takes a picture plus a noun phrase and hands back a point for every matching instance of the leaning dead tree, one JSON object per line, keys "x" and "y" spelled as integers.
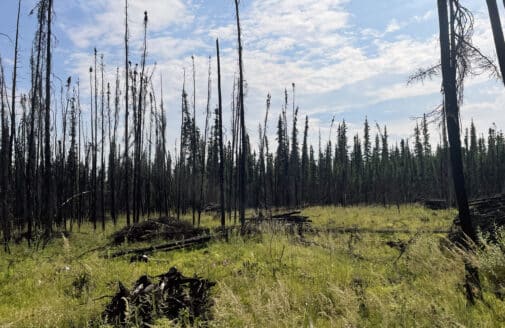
{"x": 499, "y": 41}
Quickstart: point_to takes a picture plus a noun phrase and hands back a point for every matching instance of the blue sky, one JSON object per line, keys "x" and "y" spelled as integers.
{"x": 349, "y": 59}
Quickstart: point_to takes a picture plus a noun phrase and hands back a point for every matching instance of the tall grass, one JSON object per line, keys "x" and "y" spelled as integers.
{"x": 274, "y": 280}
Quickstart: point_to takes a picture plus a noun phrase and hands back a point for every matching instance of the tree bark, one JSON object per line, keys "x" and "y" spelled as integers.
{"x": 47, "y": 121}
{"x": 451, "y": 108}
{"x": 499, "y": 41}
{"x": 242, "y": 160}
{"x": 220, "y": 129}
{"x": 126, "y": 160}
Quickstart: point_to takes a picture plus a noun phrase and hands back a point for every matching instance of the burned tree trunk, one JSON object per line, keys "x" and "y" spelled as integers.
{"x": 201, "y": 199}
{"x": 451, "y": 108}
{"x": 499, "y": 41}
{"x": 102, "y": 148}
{"x": 126, "y": 144}
{"x": 242, "y": 160}
{"x": 13, "y": 97}
{"x": 47, "y": 208}
{"x": 220, "y": 132}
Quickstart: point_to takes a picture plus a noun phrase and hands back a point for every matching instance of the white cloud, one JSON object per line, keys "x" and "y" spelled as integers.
{"x": 308, "y": 42}
{"x": 106, "y": 25}
{"x": 393, "y": 26}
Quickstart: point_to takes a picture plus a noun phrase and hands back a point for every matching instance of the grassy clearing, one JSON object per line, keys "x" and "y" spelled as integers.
{"x": 341, "y": 280}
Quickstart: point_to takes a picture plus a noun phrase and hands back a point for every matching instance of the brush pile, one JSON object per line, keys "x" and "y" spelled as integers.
{"x": 488, "y": 214}
{"x": 287, "y": 218}
{"x": 162, "y": 228}
{"x": 173, "y": 296}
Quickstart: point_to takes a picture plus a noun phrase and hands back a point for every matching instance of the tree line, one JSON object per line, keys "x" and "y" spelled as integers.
{"x": 60, "y": 169}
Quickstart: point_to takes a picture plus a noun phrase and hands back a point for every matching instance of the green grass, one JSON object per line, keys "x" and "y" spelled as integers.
{"x": 339, "y": 280}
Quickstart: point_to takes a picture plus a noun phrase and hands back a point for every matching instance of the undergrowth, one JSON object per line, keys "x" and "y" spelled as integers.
{"x": 276, "y": 279}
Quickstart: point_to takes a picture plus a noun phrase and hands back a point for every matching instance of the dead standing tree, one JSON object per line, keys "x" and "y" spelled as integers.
{"x": 126, "y": 144}
{"x": 242, "y": 159}
{"x": 201, "y": 199}
{"x": 220, "y": 129}
{"x": 47, "y": 208}
{"x": 459, "y": 59}
{"x": 456, "y": 50}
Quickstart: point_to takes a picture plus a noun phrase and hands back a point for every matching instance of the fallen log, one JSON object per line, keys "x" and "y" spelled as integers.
{"x": 283, "y": 215}
{"x": 436, "y": 204}
{"x": 289, "y": 217}
{"x": 379, "y": 231}
{"x": 174, "y": 245}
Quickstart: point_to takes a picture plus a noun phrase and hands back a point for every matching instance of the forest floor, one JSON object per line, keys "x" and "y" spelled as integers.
{"x": 275, "y": 279}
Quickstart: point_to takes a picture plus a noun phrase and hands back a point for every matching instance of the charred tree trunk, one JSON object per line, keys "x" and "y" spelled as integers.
{"x": 102, "y": 149}
{"x": 242, "y": 161}
{"x": 202, "y": 173}
{"x": 452, "y": 116}
{"x": 31, "y": 169}
{"x": 194, "y": 145}
{"x": 13, "y": 97}
{"x": 220, "y": 132}
{"x": 126, "y": 160}
{"x": 3, "y": 165}
{"x": 499, "y": 41}
{"x": 47, "y": 208}
{"x": 94, "y": 127}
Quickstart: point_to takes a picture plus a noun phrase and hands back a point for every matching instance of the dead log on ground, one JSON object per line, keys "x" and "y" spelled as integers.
{"x": 174, "y": 245}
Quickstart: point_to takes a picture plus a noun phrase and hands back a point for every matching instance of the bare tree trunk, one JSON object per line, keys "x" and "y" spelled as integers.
{"x": 138, "y": 127}
{"x": 102, "y": 149}
{"x": 127, "y": 171}
{"x": 220, "y": 132}
{"x": 202, "y": 175}
{"x": 31, "y": 182}
{"x": 79, "y": 204}
{"x": 181, "y": 150}
{"x": 452, "y": 117}
{"x": 13, "y": 97}
{"x": 232, "y": 154}
{"x": 499, "y": 41}
{"x": 166, "y": 168}
{"x": 149, "y": 167}
{"x": 242, "y": 161}
{"x": 94, "y": 127}
{"x": 194, "y": 142}
{"x": 47, "y": 212}
{"x": 3, "y": 165}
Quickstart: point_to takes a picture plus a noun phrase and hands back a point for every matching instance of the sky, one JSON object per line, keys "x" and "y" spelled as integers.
{"x": 347, "y": 59}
